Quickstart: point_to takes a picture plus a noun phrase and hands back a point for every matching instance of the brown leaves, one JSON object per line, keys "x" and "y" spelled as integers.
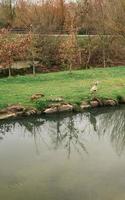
{"x": 69, "y": 50}
{"x": 11, "y": 46}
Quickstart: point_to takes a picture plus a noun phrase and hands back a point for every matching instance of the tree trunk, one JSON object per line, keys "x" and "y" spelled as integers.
{"x": 89, "y": 50}
{"x": 104, "y": 52}
{"x": 34, "y": 70}
{"x": 70, "y": 68}
{"x": 89, "y": 56}
{"x": 9, "y": 69}
{"x": 80, "y": 57}
{"x": 33, "y": 62}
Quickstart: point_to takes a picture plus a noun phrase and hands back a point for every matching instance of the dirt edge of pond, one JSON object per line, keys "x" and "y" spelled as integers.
{"x": 17, "y": 110}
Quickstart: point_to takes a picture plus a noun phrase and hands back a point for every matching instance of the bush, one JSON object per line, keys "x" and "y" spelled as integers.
{"x": 42, "y": 104}
{"x": 89, "y": 55}
{"x": 48, "y": 50}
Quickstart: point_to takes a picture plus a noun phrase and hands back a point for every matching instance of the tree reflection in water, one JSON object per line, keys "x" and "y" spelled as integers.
{"x": 69, "y": 131}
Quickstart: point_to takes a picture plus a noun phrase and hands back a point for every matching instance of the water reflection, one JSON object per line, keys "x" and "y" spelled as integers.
{"x": 71, "y": 132}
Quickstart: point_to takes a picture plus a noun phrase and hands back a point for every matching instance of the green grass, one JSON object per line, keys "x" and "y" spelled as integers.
{"x": 73, "y": 87}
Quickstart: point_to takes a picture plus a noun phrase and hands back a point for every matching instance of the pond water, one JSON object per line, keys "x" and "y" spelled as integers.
{"x": 21, "y": 64}
{"x": 64, "y": 157}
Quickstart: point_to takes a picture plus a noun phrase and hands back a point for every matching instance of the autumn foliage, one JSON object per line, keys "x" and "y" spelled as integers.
{"x": 69, "y": 51}
{"x": 100, "y": 24}
{"x": 10, "y": 48}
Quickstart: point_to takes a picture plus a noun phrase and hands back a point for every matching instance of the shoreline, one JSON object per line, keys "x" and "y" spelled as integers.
{"x": 61, "y": 92}
{"x": 17, "y": 110}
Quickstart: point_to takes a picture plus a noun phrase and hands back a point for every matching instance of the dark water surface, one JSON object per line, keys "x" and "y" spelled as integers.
{"x": 64, "y": 157}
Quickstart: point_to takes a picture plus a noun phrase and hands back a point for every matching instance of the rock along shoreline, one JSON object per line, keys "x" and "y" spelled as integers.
{"x": 17, "y": 110}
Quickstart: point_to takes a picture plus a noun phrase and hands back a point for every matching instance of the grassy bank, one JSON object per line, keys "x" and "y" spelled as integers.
{"x": 73, "y": 87}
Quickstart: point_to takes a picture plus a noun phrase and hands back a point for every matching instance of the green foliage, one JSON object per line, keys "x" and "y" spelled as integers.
{"x": 42, "y": 104}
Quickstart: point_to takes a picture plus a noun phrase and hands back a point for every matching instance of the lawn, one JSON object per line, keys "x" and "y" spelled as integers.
{"x": 74, "y": 87}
